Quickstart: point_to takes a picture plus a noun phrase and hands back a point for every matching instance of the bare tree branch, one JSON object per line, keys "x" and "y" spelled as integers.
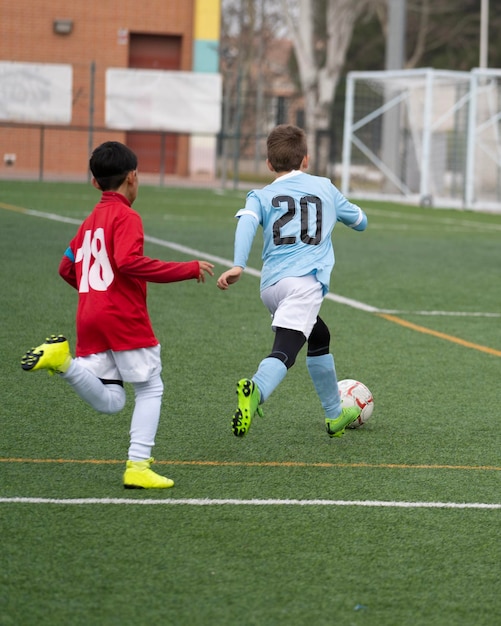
{"x": 423, "y": 30}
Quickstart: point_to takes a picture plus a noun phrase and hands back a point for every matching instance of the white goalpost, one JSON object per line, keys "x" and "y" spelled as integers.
{"x": 424, "y": 136}
{"x": 483, "y": 187}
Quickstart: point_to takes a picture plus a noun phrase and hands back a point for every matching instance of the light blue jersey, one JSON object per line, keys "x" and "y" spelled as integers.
{"x": 297, "y": 212}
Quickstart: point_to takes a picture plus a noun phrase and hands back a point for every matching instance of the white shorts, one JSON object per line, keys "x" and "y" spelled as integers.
{"x": 294, "y": 303}
{"x": 131, "y": 366}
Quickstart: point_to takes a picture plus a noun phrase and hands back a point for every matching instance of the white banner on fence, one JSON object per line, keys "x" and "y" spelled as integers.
{"x": 35, "y": 92}
{"x": 184, "y": 102}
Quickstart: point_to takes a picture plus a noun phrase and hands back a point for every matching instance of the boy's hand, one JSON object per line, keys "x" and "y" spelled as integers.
{"x": 204, "y": 266}
{"x": 229, "y": 277}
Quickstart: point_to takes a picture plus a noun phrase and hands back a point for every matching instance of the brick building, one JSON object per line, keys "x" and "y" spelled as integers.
{"x": 93, "y": 36}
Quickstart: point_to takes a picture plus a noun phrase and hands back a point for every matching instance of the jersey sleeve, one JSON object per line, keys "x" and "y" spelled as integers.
{"x": 244, "y": 236}
{"x": 350, "y": 214}
{"x": 156, "y": 271}
{"x": 248, "y": 222}
{"x": 129, "y": 257}
{"x": 67, "y": 268}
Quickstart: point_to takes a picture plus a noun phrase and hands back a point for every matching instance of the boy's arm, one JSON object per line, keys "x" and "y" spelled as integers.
{"x": 157, "y": 271}
{"x": 153, "y": 270}
{"x": 229, "y": 277}
{"x": 67, "y": 268}
{"x": 350, "y": 214}
{"x": 244, "y": 236}
{"x": 130, "y": 260}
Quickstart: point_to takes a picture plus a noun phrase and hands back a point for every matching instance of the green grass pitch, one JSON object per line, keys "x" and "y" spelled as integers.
{"x": 394, "y": 524}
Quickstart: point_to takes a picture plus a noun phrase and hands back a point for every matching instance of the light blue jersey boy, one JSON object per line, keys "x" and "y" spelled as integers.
{"x": 297, "y": 213}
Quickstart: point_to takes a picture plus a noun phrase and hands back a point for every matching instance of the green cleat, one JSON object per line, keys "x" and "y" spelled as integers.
{"x": 248, "y": 404}
{"x": 53, "y": 355}
{"x": 138, "y": 475}
{"x": 335, "y": 427}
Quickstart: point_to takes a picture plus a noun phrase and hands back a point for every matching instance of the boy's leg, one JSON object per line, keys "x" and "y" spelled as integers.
{"x": 323, "y": 374}
{"x": 103, "y": 395}
{"x": 270, "y": 373}
{"x": 322, "y": 370}
{"x": 251, "y": 392}
{"x": 143, "y": 430}
{"x": 293, "y": 303}
{"x": 54, "y": 356}
{"x": 145, "y": 418}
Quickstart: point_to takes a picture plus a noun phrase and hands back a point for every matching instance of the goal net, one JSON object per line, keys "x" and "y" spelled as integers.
{"x": 424, "y": 136}
{"x": 483, "y": 172}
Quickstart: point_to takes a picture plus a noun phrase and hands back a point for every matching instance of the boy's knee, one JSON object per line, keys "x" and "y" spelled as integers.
{"x": 153, "y": 388}
{"x": 115, "y": 399}
{"x": 319, "y": 339}
{"x": 287, "y": 345}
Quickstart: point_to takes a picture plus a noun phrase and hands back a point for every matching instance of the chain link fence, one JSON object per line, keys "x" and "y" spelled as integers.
{"x": 250, "y": 108}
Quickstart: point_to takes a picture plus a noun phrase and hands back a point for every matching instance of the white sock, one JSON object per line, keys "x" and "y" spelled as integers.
{"x": 145, "y": 418}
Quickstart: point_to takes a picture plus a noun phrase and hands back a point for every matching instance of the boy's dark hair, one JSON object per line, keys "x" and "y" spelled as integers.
{"x": 286, "y": 147}
{"x": 110, "y": 163}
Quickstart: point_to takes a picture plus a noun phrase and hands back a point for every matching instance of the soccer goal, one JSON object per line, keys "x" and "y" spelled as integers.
{"x": 483, "y": 172}
{"x": 426, "y": 136}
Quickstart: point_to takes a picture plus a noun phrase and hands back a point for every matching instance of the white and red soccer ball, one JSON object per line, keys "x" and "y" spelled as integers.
{"x": 355, "y": 393}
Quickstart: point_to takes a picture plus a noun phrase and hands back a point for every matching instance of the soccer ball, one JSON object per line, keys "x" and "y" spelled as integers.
{"x": 355, "y": 393}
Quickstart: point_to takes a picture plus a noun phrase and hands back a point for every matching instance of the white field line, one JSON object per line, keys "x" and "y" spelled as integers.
{"x": 445, "y": 221}
{"x": 253, "y": 502}
{"x": 355, "y": 304}
{"x": 53, "y": 216}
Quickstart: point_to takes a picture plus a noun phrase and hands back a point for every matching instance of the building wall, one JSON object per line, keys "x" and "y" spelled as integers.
{"x": 99, "y": 39}
{"x": 205, "y": 59}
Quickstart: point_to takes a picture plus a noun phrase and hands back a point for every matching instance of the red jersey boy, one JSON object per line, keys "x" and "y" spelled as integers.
{"x": 105, "y": 262}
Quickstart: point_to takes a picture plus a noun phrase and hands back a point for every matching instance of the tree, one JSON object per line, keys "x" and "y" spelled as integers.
{"x": 443, "y": 34}
{"x": 249, "y": 33}
{"x": 321, "y": 32}
{"x": 331, "y": 38}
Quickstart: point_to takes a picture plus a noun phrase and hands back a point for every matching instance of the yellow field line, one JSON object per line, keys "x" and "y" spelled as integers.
{"x": 11, "y": 207}
{"x": 288, "y": 464}
{"x": 436, "y": 333}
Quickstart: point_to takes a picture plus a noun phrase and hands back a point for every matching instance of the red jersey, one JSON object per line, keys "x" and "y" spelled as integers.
{"x": 105, "y": 262}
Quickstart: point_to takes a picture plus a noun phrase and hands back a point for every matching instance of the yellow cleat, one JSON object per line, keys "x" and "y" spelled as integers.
{"x": 248, "y": 405}
{"x": 138, "y": 475}
{"x": 335, "y": 427}
{"x": 53, "y": 355}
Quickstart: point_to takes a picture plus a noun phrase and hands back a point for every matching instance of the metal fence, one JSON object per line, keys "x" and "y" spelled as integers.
{"x": 50, "y": 152}
{"x": 55, "y": 151}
